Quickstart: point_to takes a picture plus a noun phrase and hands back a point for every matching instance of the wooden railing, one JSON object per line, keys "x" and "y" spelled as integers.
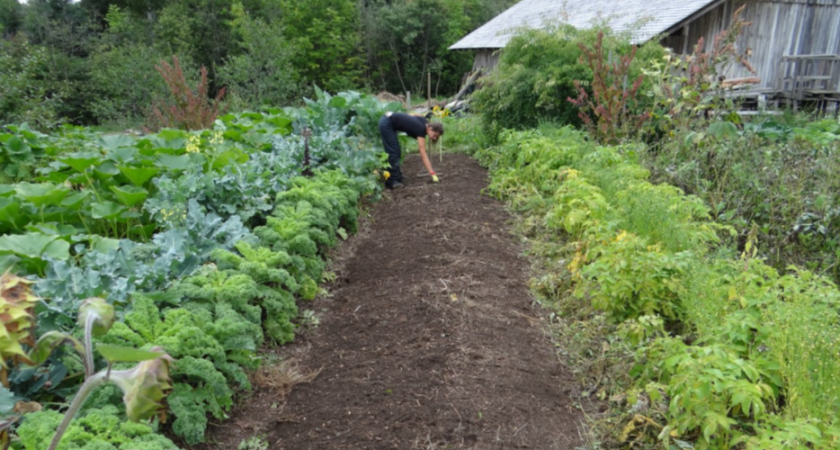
{"x": 802, "y": 76}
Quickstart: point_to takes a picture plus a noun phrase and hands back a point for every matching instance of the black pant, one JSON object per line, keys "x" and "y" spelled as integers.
{"x": 392, "y": 148}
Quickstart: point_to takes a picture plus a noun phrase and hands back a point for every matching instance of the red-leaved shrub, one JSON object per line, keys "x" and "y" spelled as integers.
{"x": 185, "y": 108}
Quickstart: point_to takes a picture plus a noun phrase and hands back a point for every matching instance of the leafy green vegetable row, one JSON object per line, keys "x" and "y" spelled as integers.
{"x": 726, "y": 350}
{"x": 231, "y": 248}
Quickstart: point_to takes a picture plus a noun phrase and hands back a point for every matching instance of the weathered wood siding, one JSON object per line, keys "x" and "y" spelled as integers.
{"x": 486, "y": 58}
{"x": 779, "y": 27}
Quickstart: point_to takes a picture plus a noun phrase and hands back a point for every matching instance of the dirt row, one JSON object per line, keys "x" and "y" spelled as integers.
{"x": 428, "y": 338}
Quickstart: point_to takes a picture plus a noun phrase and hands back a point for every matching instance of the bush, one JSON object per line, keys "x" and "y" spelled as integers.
{"x": 26, "y": 94}
{"x": 126, "y": 82}
{"x": 705, "y": 349}
{"x": 262, "y": 74}
{"x": 537, "y": 73}
{"x": 184, "y": 108}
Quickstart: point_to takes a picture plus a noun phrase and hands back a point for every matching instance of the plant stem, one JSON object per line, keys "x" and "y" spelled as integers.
{"x": 84, "y": 392}
{"x": 88, "y": 356}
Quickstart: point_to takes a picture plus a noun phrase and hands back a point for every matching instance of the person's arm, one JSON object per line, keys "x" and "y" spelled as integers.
{"x": 421, "y": 143}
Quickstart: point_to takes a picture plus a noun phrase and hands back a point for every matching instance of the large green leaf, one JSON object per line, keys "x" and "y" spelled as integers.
{"x": 123, "y": 155}
{"x": 9, "y": 210}
{"x": 7, "y": 190}
{"x": 42, "y": 193}
{"x": 16, "y": 146}
{"x": 57, "y": 249}
{"x": 130, "y": 195}
{"x": 170, "y": 134}
{"x": 105, "y": 210}
{"x": 80, "y": 161}
{"x": 229, "y": 157}
{"x": 723, "y": 130}
{"x": 115, "y": 353}
{"x": 115, "y": 141}
{"x": 7, "y": 261}
{"x": 139, "y": 175}
{"x": 75, "y": 201}
{"x": 106, "y": 171}
{"x": 35, "y": 246}
{"x": 103, "y": 244}
{"x": 173, "y": 162}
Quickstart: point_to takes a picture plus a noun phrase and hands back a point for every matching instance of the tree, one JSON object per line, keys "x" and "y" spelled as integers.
{"x": 11, "y": 17}
{"x": 25, "y": 95}
{"x": 325, "y": 35}
{"x": 261, "y": 74}
{"x": 403, "y": 40}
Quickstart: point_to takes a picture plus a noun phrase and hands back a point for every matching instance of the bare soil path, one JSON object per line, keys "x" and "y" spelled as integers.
{"x": 429, "y": 339}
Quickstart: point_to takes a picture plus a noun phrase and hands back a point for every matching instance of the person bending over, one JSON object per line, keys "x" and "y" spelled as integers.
{"x": 416, "y": 128}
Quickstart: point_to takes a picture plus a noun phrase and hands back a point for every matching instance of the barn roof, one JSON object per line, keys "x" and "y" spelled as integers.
{"x": 643, "y": 18}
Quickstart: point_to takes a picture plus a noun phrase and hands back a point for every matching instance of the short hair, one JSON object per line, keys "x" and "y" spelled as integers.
{"x": 437, "y": 127}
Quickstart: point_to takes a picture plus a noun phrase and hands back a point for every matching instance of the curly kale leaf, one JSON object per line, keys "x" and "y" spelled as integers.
{"x": 95, "y": 429}
{"x": 206, "y": 392}
{"x": 215, "y": 286}
{"x": 262, "y": 264}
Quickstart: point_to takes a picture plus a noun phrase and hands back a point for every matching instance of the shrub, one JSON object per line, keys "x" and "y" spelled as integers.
{"x": 608, "y": 113}
{"x": 186, "y": 108}
{"x": 537, "y": 73}
{"x": 26, "y": 94}
{"x": 126, "y": 82}
{"x": 261, "y": 75}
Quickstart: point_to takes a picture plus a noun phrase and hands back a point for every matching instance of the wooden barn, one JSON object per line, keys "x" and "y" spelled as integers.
{"x": 794, "y": 44}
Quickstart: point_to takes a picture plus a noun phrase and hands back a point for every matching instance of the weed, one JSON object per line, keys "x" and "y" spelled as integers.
{"x": 186, "y": 108}
{"x": 254, "y": 443}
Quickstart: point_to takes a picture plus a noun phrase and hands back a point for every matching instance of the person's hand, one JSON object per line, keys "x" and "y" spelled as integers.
{"x": 435, "y": 179}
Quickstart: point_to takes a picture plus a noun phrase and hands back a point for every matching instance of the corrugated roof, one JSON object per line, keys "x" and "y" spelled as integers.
{"x": 655, "y": 16}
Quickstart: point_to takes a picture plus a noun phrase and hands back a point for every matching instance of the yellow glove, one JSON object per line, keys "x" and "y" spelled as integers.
{"x": 435, "y": 179}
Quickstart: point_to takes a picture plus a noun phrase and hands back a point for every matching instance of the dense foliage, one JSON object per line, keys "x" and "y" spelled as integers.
{"x": 704, "y": 345}
{"x": 92, "y": 61}
{"x": 708, "y": 321}
{"x": 204, "y": 241}
{"x": 537, "y": 74}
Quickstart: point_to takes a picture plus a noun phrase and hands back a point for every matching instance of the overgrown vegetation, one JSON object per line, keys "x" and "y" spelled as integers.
{"x": 540, "y": 70}
{"x": 705, "y": 320}
{"x": 92, "y": 62}
{"x": 202, "y": 241}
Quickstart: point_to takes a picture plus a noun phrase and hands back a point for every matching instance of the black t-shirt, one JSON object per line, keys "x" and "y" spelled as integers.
{"x": 413, "y": 126}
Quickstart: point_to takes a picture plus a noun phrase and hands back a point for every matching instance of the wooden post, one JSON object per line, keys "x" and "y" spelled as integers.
{"x": 408, "y": 101}
{"x": 429, "y": 92}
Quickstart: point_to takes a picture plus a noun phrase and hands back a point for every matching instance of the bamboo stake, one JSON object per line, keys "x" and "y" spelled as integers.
{"x": 429, "y": 91}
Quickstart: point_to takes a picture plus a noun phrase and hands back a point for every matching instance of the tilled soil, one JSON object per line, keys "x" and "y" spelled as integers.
{"x": 429, "y": 338}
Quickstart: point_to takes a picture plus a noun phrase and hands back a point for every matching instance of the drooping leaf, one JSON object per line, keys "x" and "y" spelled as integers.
{"x": 723, "y": 130}
{"x": 105, "y": 210}
{"x": 139, "y": 175}
{"x": 35, "y": 246}
{"x": 173, "y": 162}
{"x": 115, "y": 353}
{"x": 16, "y": 146}
{"x": 129, "y": 195}
{"x": 9, "y": 210}
{"x": 103, "y": 244}
{"x": 106, "y": 171}
{"x": 49, "y": 342}
{"x": 75, "y": 201}
{"x": 80, "y": 161}
{"x": 42, "y": 194}
{"x": 115, "y": 141}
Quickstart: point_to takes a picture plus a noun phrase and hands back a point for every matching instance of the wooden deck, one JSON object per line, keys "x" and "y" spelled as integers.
{"x": 802, "y": 80}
